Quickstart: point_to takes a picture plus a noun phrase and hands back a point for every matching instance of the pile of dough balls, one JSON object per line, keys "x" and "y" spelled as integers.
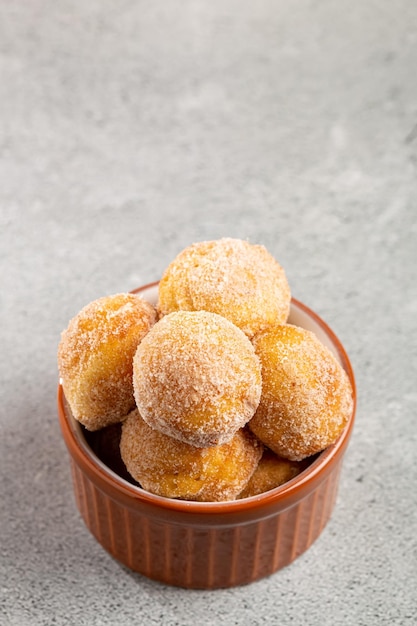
{"x": 218, "y": 397}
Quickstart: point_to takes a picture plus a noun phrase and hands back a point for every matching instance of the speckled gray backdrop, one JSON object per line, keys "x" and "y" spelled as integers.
{"x": 128, "y": 130}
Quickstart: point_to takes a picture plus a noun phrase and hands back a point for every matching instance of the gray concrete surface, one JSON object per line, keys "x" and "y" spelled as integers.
{"x": 132, "y": 129}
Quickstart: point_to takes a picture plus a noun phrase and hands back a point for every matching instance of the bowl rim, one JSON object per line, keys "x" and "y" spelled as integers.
{"x": 292, "y": 489}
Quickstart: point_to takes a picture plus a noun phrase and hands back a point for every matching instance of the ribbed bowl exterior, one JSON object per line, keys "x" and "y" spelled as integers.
{"x": 207, "y": 545}
{"x": 210, "y": 557}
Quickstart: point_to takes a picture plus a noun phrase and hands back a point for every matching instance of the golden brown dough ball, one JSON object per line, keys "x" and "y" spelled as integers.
{"x": 174, "y": 469}
{"x": 95, "y": 357}
{"x": 231, "y": 277}
{"x": 272, "y": 471}
{"x": 196, "y": 378}
{"x": 306, "y": 394}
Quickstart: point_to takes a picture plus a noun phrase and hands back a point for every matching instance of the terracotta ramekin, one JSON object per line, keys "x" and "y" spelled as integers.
{"x": 207, "y": 545}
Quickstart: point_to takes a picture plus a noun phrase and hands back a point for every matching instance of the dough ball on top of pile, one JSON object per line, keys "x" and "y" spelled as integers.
{"x": 174, "y": 469}
{"x": 196, "y": 378}
{"x": 306, "y": 394}
{"x": 231, "y": 277}
{"x": 95, "y": 358}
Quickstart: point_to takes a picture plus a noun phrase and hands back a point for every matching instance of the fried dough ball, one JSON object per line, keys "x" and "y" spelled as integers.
{"x": 306, "y": 394}
{"x": 196, "y": 378}
{"x": 231, "y": 277}
{"x": 95, "y": 357}
{"x": 174, "y": 469}
{"x": 272, "y": 471}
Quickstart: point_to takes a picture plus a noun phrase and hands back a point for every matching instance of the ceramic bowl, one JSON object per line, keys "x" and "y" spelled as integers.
{"x": 198, "y": 544}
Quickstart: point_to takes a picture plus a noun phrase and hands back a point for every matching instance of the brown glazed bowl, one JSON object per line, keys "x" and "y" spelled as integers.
{"x": 198, "y": 544}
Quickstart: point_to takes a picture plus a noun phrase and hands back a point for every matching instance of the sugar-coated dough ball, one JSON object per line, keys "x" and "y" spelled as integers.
{"x": 95, "y": 357}
{"x": 196, "y": 378}
{"x": 174, "y": 469}
{"x": 306, "y": 394}
{"x": 231, "y": 277}
{"x": 272, "y": 471}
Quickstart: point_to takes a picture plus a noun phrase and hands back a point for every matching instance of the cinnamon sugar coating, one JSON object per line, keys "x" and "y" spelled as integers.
{"x": 196, "y": 378}
{"x": 95, "y": 357}
{"x": 174, "y": 469}
{"x": 231, "y": 277}
{"x": 272, "y": 471}
{"x": 306, "y": 395}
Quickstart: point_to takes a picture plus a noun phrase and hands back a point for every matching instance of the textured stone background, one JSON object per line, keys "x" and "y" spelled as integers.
{"x": 129, "y": 130}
